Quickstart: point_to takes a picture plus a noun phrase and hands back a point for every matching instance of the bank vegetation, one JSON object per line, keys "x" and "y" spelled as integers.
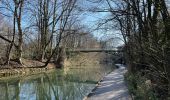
{"x": 145, "y": 27}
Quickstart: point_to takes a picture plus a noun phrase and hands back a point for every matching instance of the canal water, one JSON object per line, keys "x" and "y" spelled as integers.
{"x": 64, "y": 84}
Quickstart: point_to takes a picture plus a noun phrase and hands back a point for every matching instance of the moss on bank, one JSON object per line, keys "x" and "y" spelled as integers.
{"x": 29, "y": 67}
{"x": 20, "y": 72}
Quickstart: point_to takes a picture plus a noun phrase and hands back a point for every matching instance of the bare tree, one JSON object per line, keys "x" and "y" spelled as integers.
{"x": 17, "y": 16}
{"x": 144, "y": 25}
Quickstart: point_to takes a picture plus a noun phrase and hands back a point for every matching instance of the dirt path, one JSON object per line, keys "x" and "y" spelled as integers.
{"x": 112, "y": 87}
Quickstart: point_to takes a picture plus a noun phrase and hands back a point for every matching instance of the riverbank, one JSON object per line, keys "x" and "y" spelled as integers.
{"x": 111, "y": 87}
{"x": 28, "y": 67}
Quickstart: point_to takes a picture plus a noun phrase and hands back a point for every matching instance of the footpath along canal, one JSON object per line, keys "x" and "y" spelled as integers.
{"x": 111, "y": 87}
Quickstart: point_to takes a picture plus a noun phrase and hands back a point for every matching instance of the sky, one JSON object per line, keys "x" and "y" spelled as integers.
{"x": 90, "y": 20}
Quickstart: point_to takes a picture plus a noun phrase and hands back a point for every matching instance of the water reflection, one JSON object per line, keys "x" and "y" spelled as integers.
{"x": 72, "y": 84}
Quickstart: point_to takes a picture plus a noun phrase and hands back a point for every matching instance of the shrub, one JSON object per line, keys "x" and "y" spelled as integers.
{"x": 140, "y": 87}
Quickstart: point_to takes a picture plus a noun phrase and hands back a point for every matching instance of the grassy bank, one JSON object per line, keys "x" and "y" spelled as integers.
{"x": 91, "y": 58}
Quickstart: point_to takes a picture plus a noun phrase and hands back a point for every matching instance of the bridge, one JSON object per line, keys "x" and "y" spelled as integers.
{"x": 95, "y": 50}
{"x": 118, "y": 54}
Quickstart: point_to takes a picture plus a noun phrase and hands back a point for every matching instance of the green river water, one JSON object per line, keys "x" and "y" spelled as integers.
{"x": 71, "y": 84}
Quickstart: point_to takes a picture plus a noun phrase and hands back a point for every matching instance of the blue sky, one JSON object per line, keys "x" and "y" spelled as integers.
{"x": 90, "y": 20}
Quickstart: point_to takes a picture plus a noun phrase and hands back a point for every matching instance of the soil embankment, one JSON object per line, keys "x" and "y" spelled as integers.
{"x": 27, "y": 67}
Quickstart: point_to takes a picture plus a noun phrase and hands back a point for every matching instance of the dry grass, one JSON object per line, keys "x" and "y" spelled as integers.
{"x": 83, "y": 59}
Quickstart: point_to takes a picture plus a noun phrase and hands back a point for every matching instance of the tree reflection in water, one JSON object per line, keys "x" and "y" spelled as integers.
{"x": 57, "y": 85}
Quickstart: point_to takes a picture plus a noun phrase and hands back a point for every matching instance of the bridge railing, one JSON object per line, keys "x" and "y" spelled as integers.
{"x": 95, "y": 50}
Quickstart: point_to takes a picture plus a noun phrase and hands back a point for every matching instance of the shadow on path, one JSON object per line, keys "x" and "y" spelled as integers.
{"x": 112, "y": 87}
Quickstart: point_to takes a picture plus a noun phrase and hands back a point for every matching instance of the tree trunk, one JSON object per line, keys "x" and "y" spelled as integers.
{"x": 18, "y": 14}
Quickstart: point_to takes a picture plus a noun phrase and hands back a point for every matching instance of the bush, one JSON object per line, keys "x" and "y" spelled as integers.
{"x": 140, "y": 87}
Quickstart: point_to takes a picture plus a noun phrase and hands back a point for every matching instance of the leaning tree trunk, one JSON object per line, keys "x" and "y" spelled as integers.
{"x": 9, "y": 49}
